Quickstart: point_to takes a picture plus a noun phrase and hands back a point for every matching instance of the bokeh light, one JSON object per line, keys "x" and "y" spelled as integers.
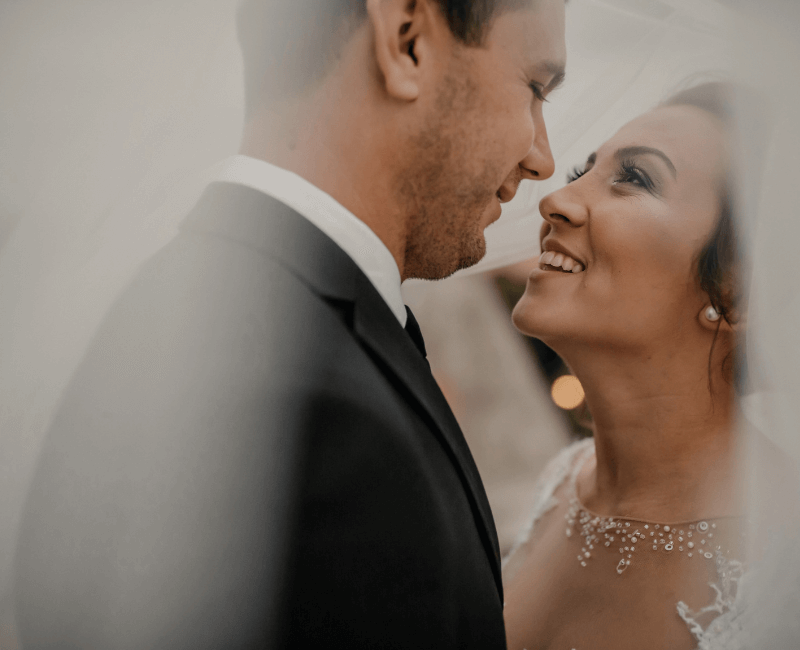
{"x": 567, "y": 392}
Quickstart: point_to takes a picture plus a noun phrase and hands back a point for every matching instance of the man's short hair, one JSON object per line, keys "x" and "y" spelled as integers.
{"x": 288, "y": 45}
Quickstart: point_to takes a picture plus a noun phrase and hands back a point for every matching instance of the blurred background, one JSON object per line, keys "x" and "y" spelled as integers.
{"x": 112, "y": 112}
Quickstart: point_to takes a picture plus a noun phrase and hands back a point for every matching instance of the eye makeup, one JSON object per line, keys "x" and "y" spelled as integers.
{"x": 631, "y": 172}
{"x": 577, "y": 172}
{"x": 634, "y": 168}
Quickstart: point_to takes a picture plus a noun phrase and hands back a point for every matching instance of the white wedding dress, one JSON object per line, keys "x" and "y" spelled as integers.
{"x": 724, "y": 632}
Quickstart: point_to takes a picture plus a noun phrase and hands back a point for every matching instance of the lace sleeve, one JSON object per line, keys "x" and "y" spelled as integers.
{"x": 725, "y": 632}
{"x": 551, "y": 478}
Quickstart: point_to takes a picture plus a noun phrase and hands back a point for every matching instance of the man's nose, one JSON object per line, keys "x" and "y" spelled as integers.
{"x": 538, "y": 163}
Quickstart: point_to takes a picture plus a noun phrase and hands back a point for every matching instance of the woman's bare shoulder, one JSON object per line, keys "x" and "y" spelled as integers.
{"x": 554, "y": 475}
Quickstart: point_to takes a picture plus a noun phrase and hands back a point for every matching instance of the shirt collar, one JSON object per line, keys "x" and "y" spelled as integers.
{"x": 351, "y": 234}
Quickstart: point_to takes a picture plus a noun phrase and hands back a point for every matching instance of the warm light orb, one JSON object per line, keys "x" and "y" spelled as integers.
{"x": 567, "y": 392}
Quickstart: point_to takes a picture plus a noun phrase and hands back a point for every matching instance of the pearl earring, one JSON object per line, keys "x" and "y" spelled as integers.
{"x": 712, "y": 314}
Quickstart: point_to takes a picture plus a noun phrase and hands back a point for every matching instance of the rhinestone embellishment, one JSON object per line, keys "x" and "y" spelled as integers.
{"x": 594, "y": 529}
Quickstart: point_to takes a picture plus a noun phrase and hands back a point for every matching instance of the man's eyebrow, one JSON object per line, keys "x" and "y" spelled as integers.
{"x": 628, "y": 152}
{"x": 592, "y": 159}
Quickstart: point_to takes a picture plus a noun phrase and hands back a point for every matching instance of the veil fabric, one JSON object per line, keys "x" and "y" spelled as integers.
{"x": 108, "y": 110}
{"x": 624, "y": 58}
{"x": 111, "y": 111}
{"x": 766, "y": 58}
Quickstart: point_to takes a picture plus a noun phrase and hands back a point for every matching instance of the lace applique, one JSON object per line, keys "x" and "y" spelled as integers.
{"x": 725, "y": 631}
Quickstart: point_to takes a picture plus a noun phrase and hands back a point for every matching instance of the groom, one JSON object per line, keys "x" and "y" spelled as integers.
{"x": 253, "y": 452}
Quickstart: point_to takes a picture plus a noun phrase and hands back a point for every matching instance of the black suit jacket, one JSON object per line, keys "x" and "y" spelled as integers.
{"x": 254, "y": 454}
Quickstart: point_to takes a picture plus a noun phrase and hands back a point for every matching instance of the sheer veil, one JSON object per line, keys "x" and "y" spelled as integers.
{"x": 766, "y": 58}
{"x": 111, "y": 111}
{"x": 625, "y": 57}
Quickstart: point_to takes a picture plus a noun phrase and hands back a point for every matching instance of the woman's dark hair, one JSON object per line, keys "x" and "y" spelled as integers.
{"x": 720, "y": 263}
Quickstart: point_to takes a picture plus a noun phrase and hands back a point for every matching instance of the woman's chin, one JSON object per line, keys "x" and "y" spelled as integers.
{"x": 525, "y": 318}
{"x": 530, "y": 317}
{"x": 518, "y": 316}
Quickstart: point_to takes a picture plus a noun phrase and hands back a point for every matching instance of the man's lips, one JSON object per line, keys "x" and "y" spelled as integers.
{"x": 497, "y": 212}
{"x": 492, "y": 212}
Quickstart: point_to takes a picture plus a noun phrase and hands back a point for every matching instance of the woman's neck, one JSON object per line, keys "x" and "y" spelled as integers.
{"x": 664, "y": 437}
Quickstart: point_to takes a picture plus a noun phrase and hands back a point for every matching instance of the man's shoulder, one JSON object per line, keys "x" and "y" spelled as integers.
{"x": 220, "y": 301}
{"x": 213, "y": 296}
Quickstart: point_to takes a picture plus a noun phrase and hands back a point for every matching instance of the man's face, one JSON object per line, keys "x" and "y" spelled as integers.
{"x": 483, "y": 135}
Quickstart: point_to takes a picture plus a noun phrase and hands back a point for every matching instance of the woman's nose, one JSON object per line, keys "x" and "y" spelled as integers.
{"x": 563, "y": 207}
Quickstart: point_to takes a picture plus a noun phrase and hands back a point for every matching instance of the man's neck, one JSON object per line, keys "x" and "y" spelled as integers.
{"x": 330, "y": 148}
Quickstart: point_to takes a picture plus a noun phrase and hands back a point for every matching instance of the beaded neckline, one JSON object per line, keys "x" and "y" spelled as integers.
{"x": 694, "y": 538}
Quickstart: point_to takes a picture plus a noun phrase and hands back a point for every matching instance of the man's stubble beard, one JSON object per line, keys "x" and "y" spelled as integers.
{"x": 443, "y": 200}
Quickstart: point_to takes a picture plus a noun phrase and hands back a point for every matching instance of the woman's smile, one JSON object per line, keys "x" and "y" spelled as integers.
{"x": 559, "y": 262}
{"x": 638, "y": 214}
{"x": 558, "y": 258}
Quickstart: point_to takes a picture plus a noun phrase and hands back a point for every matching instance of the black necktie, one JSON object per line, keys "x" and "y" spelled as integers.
{"x": 412, "y": 327}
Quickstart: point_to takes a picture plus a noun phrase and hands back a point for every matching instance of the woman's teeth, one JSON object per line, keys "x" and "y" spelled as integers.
{"x": 560, "y": 261}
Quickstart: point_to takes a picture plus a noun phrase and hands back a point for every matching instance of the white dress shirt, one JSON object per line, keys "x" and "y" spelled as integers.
{"x": 351, "y": 234}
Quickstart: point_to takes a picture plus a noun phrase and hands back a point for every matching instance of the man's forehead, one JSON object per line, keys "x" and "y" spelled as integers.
{"x": 537, "y": 35}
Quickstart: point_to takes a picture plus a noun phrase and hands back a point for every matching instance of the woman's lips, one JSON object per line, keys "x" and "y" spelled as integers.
{"x": 559, "y": 262}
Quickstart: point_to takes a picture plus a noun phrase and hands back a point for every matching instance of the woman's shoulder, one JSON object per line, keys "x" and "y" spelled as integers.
{"x": 749, "y": 592}
{"x": 562, "y": 466}
{"x": 566, "y": 459}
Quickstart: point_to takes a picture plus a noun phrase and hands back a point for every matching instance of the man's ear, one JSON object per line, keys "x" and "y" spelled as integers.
{"x": 401, "y": 29}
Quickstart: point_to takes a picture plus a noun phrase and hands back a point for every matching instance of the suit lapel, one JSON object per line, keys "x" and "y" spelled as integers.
{"x": 257, "y": 220}
{"x": 379, "y": 330}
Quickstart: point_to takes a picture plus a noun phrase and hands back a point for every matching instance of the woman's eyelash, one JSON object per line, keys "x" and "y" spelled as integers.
{"x": 575, "y": 174}
{"x": 632, "y": 174}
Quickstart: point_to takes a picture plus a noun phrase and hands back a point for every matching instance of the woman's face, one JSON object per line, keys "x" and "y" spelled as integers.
{"x": 632, "y": 227}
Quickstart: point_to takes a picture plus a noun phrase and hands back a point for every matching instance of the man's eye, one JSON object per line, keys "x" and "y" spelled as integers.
{"x": 537, "y": 92}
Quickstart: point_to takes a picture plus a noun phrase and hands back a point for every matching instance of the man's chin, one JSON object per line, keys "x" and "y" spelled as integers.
{"x": 472, "y": 259}
{"x": 467, "y": 259}
{"x": 441, "y": 272}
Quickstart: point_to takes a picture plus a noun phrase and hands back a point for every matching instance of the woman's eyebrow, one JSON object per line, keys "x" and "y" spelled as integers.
{"x": 629, "y": 152}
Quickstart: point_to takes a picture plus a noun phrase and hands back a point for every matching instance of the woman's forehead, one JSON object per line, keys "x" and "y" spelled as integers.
{"x": 693, "y": 139}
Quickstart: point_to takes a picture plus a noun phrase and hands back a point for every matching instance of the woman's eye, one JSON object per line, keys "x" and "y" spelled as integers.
{"x": 575, "y": 174}
{"x": 635, "y": 176}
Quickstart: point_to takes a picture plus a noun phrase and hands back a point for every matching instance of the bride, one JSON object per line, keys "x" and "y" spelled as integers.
{"x": 637, "y": 538}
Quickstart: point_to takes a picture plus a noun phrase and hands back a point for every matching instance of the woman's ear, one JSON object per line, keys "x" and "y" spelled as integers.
{"x": 710, "y": 319}
{"x": 399, "y": 28}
